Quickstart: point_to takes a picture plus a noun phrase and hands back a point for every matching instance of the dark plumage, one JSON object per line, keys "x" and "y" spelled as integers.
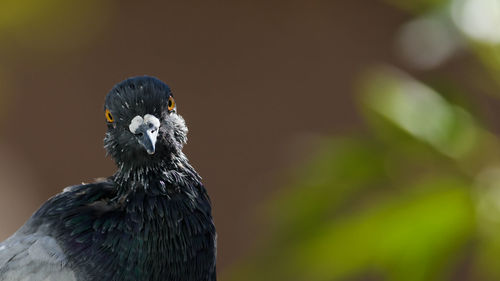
{"x": 150, "y": 221}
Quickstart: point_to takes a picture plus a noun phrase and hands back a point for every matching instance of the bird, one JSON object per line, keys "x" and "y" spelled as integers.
{"x": 151, "y": 220}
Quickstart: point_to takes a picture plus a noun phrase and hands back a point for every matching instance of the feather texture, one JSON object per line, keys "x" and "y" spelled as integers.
{"x": 150, "y": 221}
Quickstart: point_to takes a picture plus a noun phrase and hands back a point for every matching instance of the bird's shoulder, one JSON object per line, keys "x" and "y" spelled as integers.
{"x": 94, "y": 196}
{"x": 34, "y": 251}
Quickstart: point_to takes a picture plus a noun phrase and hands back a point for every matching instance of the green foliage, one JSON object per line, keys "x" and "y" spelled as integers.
{"x": 352, "y": 212}
{"x": 406, "y": 203}
{"x": 416, "y": 199}
{"x": 421, "y": 112}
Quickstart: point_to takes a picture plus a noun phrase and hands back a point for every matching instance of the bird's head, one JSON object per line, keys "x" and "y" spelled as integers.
{"x": 143, "y": 125}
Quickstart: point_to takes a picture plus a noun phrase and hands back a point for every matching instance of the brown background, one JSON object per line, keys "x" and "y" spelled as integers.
{"x": 256, "y": 81}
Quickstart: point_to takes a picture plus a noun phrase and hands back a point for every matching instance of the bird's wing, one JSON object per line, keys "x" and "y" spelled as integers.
{"x": 33, "y": 258}
{"x": 33, "y": 252}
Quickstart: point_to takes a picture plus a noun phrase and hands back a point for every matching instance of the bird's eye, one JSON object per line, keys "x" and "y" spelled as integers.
{"x": 171, "y": 103}
{"x": 109, "y": 117}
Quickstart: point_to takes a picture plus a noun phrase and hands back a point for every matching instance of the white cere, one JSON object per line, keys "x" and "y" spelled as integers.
{"x": 151, "y": 119}
{"x": 135, "y": 124}
{"x": 137, "y": 121}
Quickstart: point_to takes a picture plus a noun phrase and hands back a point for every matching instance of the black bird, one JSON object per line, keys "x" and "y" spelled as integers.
{"x": 151, "y": 220}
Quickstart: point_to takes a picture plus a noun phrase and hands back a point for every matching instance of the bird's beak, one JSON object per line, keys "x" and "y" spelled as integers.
{"x": 145, "y": 130}
{"x": 146, "y": 135}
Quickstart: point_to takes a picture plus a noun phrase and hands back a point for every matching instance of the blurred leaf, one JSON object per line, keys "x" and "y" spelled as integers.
{"x": 487, "y": 199}
{"x": 421, "y": 112}
{"x": 418, "y": 6}
{"x": 409, "y": 238}
{"x": 415, "y": 236}
{"x": 477, "y": 19}
{"x": 51, "y": 24}
{"x": 489, "y": 56}
{"x": 342, "y": 167}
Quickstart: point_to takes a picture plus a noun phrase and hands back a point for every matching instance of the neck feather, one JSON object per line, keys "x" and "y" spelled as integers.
{"x": 161, "y": 177}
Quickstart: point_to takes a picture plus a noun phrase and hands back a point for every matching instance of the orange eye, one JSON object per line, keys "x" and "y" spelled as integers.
{"x": 109, "y": 117}
{"x": 171, "y": 103}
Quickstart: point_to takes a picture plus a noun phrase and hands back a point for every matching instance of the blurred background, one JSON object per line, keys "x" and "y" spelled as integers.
{"x": 339, "y": 140}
